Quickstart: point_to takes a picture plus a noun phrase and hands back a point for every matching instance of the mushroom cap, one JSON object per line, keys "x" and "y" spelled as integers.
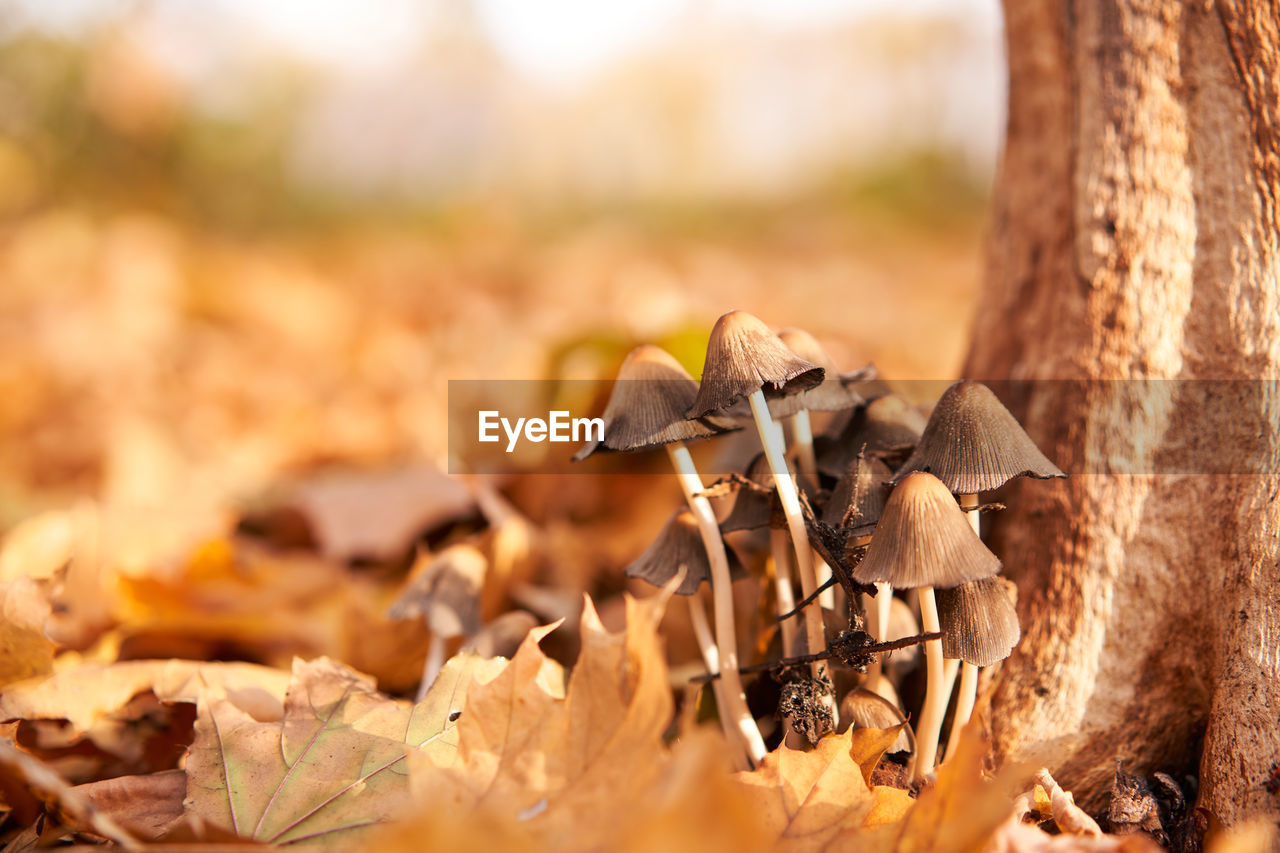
{"x": 859, "y": 495}
{"x": 974, "y": 444}
{"x": 753, "y": 510}
{"x": 502, "y": 636}
{"x": 444, "y": 592}
{"x": 979, "y": 622}
{"x": 867, "y": 710}
{"x": 923, "y": 539}
{"x": 679, "y": 543}
{"x": 647, "y": 404}
{"x": 883, "y": 424}
{"x": 743, "y": 357}
{"x": 831, "y": 395}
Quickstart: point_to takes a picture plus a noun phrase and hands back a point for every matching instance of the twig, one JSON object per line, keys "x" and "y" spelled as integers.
{"x": 868, "y": 649}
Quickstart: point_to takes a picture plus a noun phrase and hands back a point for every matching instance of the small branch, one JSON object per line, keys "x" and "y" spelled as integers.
{"x": 870, "y": 649}
{"x": 811, "y": 598}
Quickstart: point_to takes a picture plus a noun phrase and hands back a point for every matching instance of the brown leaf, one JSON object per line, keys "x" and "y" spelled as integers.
{"x": 25, "y": 650}
{"x": 868, "y": 746}
{"x": 145, "y": 805}
{"x": 332, "y": 765}
{"x": 803, "y": 799}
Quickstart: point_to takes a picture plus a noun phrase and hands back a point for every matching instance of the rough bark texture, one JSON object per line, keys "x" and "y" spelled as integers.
{"x": 1135, "y": 235}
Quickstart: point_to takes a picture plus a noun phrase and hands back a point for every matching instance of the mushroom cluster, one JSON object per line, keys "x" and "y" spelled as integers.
{"x": 882, "y": 501}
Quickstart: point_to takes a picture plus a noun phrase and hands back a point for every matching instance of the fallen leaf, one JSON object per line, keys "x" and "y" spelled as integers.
{"x": 803, "y": 799}
{"x": 25, "y": 650}
{"x": 331, "y": 766}
{"x": 146, "y": 806}
{"x": 868, "y": 746}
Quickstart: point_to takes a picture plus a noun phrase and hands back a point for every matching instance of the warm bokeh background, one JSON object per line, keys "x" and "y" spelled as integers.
{"x": 243, "y": 239}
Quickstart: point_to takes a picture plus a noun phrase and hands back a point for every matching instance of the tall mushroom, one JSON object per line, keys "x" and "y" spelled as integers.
{"x": 973, "y": 444}
{"x": 979, "y": 628}
{"x": 646, "y": 409}
{"x": 745, "y": 360}
{"x": 444, "y": 592}
{"x": 923, "y": 542}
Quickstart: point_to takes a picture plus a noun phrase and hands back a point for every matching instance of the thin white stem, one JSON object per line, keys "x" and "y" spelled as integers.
{"x": 802, "y": 443}
{"x": 735, "y": 707}
{"x": 950, "y": 667}
{"x": 965, "y": 698}
{"x": 780, "y": 548}
{"x": 974, "y": 521}
{"x": 711, "y": 659}
{"x": 877, "y": 610}
{"x": 432, "y": 665}
{"x": 934, "y": 702}
{"x": 790, "y": 501}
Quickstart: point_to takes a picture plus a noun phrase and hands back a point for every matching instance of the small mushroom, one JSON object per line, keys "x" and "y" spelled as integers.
{"x": 973, "y": 444}
{"x": 747, "y": 361}
{"x": 921, "y": 542}
{"x": 503, "y": 636}
{"x": 885, "y": 425}
{"x": 679, "y": 545}
{"x": 979, "y": 628}
{"x": 646, "y": 409}
{"x": 864, "y": 709}
{"x": 444, "y": 592}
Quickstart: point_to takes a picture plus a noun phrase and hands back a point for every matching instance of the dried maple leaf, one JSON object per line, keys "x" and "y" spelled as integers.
{"x": 333, "y": 764}
{"x": 146, "y": 806}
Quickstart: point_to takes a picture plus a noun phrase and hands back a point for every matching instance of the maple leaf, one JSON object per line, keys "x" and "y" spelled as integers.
{"x": 331, "y": 765}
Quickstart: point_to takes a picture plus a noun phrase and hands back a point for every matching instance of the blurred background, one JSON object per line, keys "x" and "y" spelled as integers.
{"x": 241, "y": 239}
{"x": 245, "y": 246}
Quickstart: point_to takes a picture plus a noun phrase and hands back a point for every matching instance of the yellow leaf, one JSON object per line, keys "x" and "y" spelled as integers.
{"x": 889, "y": 806}
{"x": 25, "y": 650}
{"x": 803, "y": 799}
{"x": 868, "y": 746}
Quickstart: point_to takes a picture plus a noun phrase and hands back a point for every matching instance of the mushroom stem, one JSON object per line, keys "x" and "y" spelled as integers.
{"x": 802, "y": 443}
{"x": 967, "y": 501}
{"x": 934, "y": 700}
{"x": 711, "y": 659}
{"x": 790, "y": 501}
{"x": 878, "y": 618}
{"x": 965, "y": 698}
{"x": 950, "y": 667}
{"x": 735, "y": 707}
{"x": 779, "y": 547}
{"x": 432, "y": 665}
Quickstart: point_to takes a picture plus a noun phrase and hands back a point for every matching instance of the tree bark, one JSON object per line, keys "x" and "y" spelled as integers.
{"x": 1134, "y": 235}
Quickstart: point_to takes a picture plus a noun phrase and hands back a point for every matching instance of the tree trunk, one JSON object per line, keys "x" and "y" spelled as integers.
{"x": 1134, "y": 235}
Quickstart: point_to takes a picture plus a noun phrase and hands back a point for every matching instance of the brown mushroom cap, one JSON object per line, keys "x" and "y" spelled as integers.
{"x": 831, "y": 395}
{"x": 883, "y": 424}
{"x": 923, "y": 539}
{"x": 979, "y": 622}
{"x": 860, "y": 494}
{"x": 753, "y": 509}
{"x": 444, "y": 592}
{"x": 647, "y": 405}
{"x": 679, "y": 544}
{"x": 974, "y": 444}
{"x": 743, "y": 357}
{"x": 867, "y": 710}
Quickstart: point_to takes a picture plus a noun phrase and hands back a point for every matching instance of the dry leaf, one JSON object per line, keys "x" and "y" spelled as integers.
{"x": 803, "y": 799}
{"x": 147, "y": 806}
{"x": 332, "y": 765}
{"x": 868, "y": 746}
{"x": 25, "y": 650}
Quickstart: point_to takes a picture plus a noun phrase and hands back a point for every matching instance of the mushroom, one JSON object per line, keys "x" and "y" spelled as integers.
{"x": 444, "y": 592}
{"x": 973, "y": 444}
{"x": 922, "y": 541}
{"x": 747, "y": 361}
{"x": 832, "y": 395}
{"x": 646, "y": 409}
{"x": 979, "y": 628}
{"x": 883, "y": 426}
{"x": 857, "y": 501}
{"x": 864, "y": 709}
{"x": 679, "y": 545}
